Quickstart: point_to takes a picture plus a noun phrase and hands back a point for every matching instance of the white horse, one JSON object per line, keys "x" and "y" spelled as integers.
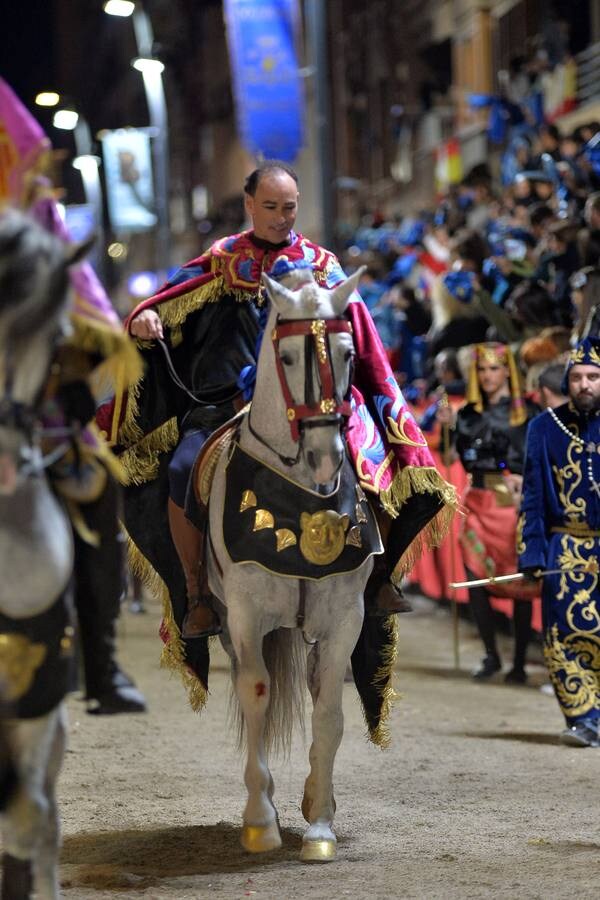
{"x": 292, "y": 441}
{"x": 36, "y": 555}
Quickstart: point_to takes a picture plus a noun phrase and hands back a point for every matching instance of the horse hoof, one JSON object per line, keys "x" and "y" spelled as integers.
{"x": 261, "y": 838}
{"x": 318, "y": 851}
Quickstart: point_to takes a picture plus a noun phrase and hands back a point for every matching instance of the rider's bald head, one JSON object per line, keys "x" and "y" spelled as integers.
{"x": 268, "y": 167}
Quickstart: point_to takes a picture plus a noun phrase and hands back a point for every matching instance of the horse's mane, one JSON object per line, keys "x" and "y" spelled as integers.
{"x": 33, "y": 276}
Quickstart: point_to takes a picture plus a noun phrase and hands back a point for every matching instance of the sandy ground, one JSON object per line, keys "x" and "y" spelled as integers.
{"x": 475, "y": 798}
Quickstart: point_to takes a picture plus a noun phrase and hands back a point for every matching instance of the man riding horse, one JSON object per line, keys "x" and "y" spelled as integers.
{"x": 197, "y": 335}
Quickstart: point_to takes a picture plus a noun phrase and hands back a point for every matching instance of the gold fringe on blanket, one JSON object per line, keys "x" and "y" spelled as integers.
{"x": 430, "y": 537}
{"x": 420, "y": 480}
{"x": 173, "y": 654}
{"x": 141, "y": 461}
{"x": 383, "y": 681}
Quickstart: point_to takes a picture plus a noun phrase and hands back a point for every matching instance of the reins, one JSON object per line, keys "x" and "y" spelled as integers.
{"x": 200, "y": 400}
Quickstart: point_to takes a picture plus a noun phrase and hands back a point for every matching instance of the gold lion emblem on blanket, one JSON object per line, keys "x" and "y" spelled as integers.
{"x": 323, "y": 536}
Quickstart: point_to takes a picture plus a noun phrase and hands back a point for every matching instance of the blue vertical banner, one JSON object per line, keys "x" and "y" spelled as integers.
{"x": 268, "y": 93}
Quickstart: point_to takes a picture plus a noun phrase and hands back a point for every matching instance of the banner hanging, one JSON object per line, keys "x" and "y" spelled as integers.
{"x": 268, "y": 93}
{"x": 128, "y": 174}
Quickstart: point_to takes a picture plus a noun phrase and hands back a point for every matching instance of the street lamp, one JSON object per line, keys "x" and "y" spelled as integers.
{"x": 121, "y": 8}
{"x": 151, "y": 70}
{"x": 87, "y": 164}
{"x": 47, "y": 98}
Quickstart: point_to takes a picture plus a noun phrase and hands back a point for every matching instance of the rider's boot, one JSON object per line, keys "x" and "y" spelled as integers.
{"x": 99, "y": 582}
{"x": 200, "y": 620}
{"x": 382, "y": 597}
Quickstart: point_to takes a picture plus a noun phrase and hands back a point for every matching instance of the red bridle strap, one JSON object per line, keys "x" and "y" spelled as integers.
{"x": 328, "y": 405}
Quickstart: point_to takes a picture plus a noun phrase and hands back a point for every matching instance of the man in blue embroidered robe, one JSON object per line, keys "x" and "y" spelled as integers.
{"x": 559, "y": 528}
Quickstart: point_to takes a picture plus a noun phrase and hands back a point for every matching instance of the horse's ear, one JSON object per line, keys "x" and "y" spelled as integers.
{"x": 340, "y": 295}
{"x": 76, "y": 252}
{"x": 281, "y": 297}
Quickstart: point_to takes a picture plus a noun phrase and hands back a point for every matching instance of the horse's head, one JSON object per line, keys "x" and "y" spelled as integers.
{"x": 314, "y": 356}
{"x": 33, "y": 318}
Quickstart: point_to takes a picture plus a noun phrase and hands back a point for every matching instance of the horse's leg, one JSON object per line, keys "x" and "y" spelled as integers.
{"x": 319, "y": 841}
{"x": 261, "y": 830}
{"x": 46, "y": 869}
{"x": 312, "y": 677}
{"x": 26, "y": 816}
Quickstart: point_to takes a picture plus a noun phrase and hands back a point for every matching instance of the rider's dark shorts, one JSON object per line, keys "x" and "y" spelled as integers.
{"x": 182, "y": 462}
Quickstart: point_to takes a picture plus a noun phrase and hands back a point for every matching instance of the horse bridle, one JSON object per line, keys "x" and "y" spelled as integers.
{"x": 316, "y": 346}
{"x": 24, "y": 417}
{"x": 320, "y": 408}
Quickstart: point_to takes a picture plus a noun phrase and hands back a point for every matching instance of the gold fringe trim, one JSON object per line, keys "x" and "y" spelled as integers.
{"x": 173, "y": 313}
{"x": 141, "y": 459}
{"x": 416, "y": 480}
{"x": 173, "y": 653}
{"x": 383, "y": 681}
{"x": 428, "y": 538}
{"x": 122, "y": 364}
{"x": 420, "y": 480}
{"x": 140, "y": 462}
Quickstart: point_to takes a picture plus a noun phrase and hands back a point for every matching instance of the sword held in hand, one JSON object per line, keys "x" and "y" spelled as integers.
{"x": 590, "y": 566}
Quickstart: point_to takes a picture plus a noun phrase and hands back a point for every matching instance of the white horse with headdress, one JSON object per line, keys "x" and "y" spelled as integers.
{"x": 291, "y": 544}
{"x": 36, "y": 555}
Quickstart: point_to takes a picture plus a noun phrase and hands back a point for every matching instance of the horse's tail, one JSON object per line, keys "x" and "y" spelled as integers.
{"x": 284, "y": 653}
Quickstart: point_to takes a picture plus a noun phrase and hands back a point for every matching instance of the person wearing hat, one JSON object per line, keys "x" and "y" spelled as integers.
{"x": 489, "y": 437}
{"x": 198, "y": 338}
{"x": 559, "y": 532}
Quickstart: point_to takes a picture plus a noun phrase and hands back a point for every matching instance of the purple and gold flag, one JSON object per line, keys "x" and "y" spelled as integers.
{"x": 24, "y": 148}
{"x": 24, "y": 157}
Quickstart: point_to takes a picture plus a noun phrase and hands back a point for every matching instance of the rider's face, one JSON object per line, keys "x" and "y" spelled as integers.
{"x": 274, "y": 206}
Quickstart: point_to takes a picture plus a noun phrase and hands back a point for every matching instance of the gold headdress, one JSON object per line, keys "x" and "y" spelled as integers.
{"x": 498, "y": 354}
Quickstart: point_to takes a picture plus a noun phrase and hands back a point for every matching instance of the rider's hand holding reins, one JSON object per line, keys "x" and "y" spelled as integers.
{"x": 147, "y": 325}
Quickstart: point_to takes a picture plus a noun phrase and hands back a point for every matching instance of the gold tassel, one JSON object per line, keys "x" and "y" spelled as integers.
{"x": 141, "y": 461}
{"x": 173, "y": 653}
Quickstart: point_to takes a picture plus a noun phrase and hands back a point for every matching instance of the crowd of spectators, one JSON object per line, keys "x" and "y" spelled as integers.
{"x": 515, "y": 262}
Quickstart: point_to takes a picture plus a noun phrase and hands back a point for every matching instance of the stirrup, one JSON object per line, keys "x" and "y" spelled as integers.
{"x": 191, "y": 631}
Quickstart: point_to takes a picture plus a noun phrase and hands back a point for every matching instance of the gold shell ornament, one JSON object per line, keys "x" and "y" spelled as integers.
{"x": 248, "y": 501}
{"x": 323, "y": 536}
{"x": 354, "y": 538}
{"x": 19, "y": 661}
{"x": 285, "y": 539}
{"x": 263, "y": 519}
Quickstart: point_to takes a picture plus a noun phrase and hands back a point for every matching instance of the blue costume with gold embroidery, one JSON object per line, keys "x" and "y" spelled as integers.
{"x": 559, "y": 528}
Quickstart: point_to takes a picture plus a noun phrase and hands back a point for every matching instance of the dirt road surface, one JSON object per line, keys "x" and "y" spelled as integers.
{"x": 474, "y": 799}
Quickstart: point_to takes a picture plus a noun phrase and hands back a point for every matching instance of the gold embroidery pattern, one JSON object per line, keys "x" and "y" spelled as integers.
{"x": 396, "y": 431}
{"x": 19, "y": 661}
{"x": 572, "y": 556}
{"x": 521, "y": 545}
{"x": 568, "y": 479}
{"x": 574, "y": 669}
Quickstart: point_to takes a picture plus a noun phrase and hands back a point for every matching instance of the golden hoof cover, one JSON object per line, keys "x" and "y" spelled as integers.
{"x": 260, "y": 838}
{"x": 318, "y": 851}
